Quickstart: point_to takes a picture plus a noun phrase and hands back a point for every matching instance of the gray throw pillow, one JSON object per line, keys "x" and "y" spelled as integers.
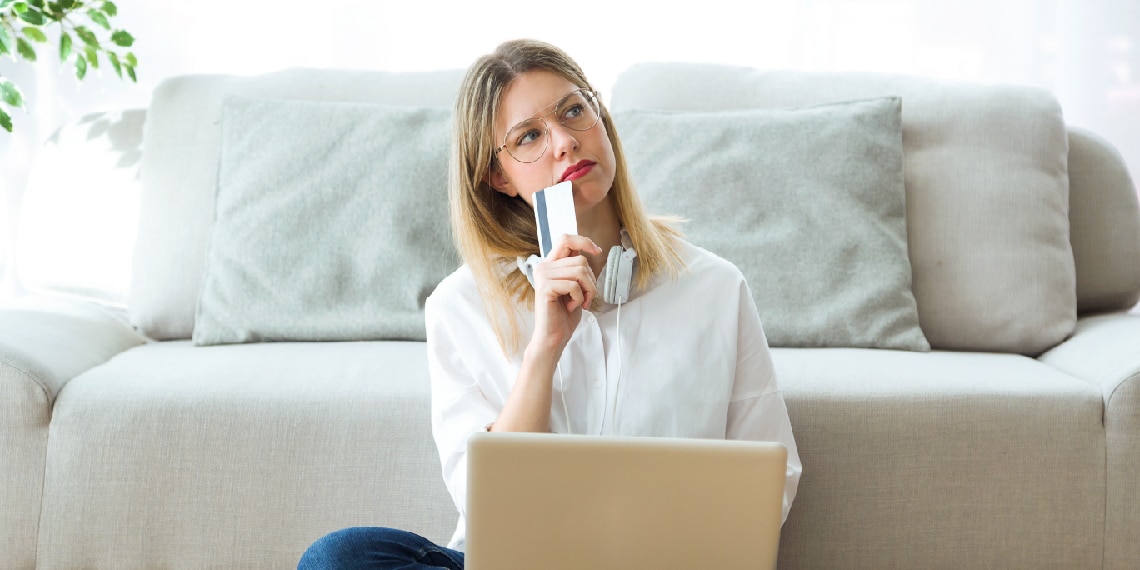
{"x": 809, "y": 204}
{"x": 331, "y": 222}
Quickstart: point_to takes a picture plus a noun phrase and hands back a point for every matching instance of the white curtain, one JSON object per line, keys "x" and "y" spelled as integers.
{"x": 1087, "y": 52}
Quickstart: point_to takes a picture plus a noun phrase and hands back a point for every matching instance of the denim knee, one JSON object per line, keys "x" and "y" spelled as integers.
{"x": 346, "y": 548}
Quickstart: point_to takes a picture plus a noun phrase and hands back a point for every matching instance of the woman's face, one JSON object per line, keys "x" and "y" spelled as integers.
{"x": 586, "y": 158}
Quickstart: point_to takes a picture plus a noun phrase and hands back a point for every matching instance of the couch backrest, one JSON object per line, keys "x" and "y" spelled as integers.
{"x": 986, "y": 173}
{"x": 955, "y": 267}
{"x": 180, "y": 165}
{"x": 1104, "y": 222}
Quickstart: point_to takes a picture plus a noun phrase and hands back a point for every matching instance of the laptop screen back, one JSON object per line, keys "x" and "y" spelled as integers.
{"x": 561, "y": 501}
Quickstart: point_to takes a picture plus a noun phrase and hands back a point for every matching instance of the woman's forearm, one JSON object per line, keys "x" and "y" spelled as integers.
{"x": 528, "y": 406}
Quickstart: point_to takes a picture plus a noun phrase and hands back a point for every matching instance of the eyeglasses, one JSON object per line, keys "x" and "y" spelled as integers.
{"x": 527, "y": 141}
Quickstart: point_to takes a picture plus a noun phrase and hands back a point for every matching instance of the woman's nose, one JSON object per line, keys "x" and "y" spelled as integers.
{"x": 562, "y": 140}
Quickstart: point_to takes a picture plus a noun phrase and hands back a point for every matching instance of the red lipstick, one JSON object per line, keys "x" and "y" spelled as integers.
{"x": 578, "y": 170}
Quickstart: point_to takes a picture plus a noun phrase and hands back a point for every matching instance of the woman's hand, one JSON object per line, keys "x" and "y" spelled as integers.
{"x": 563, "y": 284}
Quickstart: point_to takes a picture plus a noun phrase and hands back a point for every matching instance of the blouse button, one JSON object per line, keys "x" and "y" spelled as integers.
{"x": 597, "y": 384}
{"x": 590, "y": 318}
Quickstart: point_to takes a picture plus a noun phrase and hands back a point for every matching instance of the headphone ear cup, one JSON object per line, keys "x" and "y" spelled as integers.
{"x": 610, "y": 287}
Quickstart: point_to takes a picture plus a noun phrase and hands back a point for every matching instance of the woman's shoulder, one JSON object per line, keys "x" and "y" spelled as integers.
{"x": 459, "y": 288}
{"x": 700, "y": 262}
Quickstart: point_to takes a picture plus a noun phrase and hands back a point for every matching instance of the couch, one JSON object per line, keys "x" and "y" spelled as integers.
{"x": 1010, "y": 440}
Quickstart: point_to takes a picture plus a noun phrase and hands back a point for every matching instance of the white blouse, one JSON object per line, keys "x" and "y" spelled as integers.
{"x": 694, "y": 363}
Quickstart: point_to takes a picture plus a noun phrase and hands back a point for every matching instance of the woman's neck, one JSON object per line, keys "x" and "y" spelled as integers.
{"x": 601, "y": 225}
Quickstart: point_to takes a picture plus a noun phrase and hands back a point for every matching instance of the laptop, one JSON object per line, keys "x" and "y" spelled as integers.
{"x": 582, "y": 502}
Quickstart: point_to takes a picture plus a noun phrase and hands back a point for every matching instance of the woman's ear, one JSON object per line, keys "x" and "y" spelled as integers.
{"x": 499, "y": 181}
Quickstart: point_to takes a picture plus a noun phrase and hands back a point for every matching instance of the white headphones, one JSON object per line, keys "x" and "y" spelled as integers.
{"x": 616, "y": 282}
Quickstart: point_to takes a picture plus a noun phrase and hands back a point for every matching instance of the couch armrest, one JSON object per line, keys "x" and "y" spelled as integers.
{"x": 44, "y": 343}
{"x": 1105, "y": 350}
{"x": 49, "y": 341}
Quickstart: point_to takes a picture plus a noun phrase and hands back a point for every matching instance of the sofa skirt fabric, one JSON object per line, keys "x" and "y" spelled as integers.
{"x": 174, "y": 456}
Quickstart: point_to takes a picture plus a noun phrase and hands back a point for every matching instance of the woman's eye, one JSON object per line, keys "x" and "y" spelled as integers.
{"x": 529, "y": 137}
{"x": 572, "y": 112}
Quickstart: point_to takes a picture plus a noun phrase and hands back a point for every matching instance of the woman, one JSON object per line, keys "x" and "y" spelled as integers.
{"x": 690, "y": 360}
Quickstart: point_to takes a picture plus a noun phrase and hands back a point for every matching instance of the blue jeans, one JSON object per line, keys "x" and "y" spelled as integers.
{"x": 380, "y": 548}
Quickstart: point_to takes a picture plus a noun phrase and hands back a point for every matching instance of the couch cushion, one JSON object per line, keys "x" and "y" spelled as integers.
{"x": 986, "y": 190}
{"x": 331, "y": 222}
{"x": 180, "y": 167}
{"x": 175, "y": 456}
{"x": 1105, "y": 219}
{"x": 808, "y": 203}
{"x": 956, "y": 460}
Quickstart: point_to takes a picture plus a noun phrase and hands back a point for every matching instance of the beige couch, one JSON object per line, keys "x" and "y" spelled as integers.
{"x": 1014, "y": 443}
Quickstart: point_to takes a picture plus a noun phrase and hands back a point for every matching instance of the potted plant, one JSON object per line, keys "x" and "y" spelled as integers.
{"x": 80, "y": 26}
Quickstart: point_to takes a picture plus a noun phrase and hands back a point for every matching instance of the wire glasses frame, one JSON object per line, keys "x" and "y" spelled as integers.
{"x": 527, "y": 141}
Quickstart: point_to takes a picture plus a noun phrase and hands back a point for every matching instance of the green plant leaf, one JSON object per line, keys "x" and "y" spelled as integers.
{"x": 110, "y": 9}
{"x": 33, "y": 16}
{"x": 64, "y": 46}
{"x": 93, "y": 57}
{"x": 5, "y": 3}
{"x": 87, "y": 36}
{"x": 20, "y": 7}
{"x": 7, "y": 42}
{"x": 34, "y": 34}
{"x": 66, "y": 4}
{"x": 37, "y": 3}
{"x": 55, "y": 12}
{"x": 122, "y": 38}
{"x": 130, "y": 59}
{"x": 131, "y": 72}
{"x": 98, "y": 17}
{"x": 118, "y": 67}
{"x": 80, "y": 67}
{"x": 25, "y": 49}
{"x": 5, "y": 121}
{"x": 10, "y": 94}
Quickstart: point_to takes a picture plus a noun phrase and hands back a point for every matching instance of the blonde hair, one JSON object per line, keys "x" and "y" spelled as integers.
{"x": 492, "y": 229}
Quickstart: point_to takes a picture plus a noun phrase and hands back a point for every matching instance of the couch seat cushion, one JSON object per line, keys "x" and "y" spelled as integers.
{"x": 171, "y": 455}
{"x": 972, "y": 460}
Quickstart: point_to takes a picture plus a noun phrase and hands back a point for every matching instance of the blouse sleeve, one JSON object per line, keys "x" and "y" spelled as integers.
{"x": 458, "y": 406}
{"x": 757, "y": 410}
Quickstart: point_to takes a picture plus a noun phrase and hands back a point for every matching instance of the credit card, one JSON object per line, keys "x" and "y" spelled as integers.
{"x": 554, "y": 214}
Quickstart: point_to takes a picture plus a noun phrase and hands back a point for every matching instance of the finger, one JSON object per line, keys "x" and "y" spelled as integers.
{"x": 560, "y": 289}
{"x": 570, "y": 269}
{"x": 569, "y": 245}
